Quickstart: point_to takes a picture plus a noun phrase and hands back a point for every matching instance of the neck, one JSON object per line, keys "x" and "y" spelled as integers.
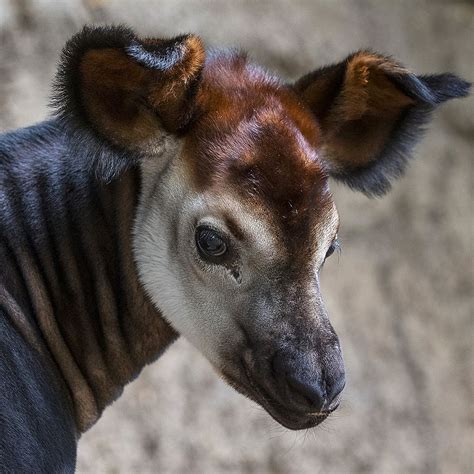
{"x": 81, "y": 284}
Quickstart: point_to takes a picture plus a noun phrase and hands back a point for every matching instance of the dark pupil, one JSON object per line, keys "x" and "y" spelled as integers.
{"x": 211, "y": 243}
{"x": 331, "y": 250}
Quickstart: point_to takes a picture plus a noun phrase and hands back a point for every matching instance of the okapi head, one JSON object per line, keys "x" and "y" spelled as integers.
{"x": 236, "y": 217}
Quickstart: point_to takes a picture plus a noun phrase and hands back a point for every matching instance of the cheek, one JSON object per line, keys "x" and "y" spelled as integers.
{"x": 195, "y": 308}
{"x": 204, "y": 317}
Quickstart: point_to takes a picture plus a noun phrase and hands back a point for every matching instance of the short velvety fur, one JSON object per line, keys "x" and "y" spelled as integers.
{"x": 372, "y": 112}
{"x": 270, "y": 157}
{"x": 69, "y": 296}
{"x": 80, "y": 239}
{"x": 117, "y": 92}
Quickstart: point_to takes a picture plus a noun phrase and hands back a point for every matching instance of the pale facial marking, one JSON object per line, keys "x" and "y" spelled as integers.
{"x": 197, "y": 303}
{"x": 263, "y": 297}
{"x": 197, "y": 307}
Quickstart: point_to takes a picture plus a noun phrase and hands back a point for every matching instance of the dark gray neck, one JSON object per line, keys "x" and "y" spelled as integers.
{"x": 66, "y": 240}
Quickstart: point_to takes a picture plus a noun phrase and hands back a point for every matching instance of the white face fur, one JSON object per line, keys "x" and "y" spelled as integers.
{"x": 200, "y": 299}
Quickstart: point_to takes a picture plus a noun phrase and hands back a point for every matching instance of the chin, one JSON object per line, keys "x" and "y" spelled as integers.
{"x": 292, "y": 420}
{"x": 288, "y": 418}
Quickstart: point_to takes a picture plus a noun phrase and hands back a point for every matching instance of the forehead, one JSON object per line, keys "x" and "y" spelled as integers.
{"x": 255, "y": 137}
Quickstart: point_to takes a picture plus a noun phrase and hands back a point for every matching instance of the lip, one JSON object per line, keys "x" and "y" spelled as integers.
{"x": 286, "y": 417}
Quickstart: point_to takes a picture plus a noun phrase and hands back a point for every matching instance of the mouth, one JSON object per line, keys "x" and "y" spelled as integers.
{"x": 287, "y": 417}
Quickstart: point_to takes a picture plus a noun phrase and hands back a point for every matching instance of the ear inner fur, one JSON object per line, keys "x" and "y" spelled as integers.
{"x": 111, "y": 89}
{"x": 371, "y": 111}
{"x": 128, "y": 90}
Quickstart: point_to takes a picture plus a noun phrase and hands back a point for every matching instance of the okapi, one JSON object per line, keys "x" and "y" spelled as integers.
{"x": 178, "y": 192}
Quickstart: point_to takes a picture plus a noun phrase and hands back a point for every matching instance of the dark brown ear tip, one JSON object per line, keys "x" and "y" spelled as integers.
{"x": 97, "y": 37}
{"x": 90, "y": 37}
{"x": 447, "y": 86}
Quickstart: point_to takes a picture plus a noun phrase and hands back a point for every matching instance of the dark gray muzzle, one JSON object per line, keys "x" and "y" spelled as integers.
{"x": 309, "y": 383}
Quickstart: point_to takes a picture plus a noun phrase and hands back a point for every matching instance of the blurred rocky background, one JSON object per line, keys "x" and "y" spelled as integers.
{"x": 400, "y": 295}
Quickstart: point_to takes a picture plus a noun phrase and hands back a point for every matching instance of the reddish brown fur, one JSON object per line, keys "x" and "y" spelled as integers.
{"x": 111, "y": 84}
{"x": 169, "y": 96}
{"x": 254, "y": 135}
{"x": 127, "y": 101}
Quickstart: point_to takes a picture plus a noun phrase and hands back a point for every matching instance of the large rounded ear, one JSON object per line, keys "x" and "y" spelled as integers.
{"x": 371, "y": 111}
{"x": 117, "y": 93}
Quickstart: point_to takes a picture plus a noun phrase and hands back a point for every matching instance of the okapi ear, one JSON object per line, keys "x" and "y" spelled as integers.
{"x": 124, "y": 90}
{"x": 371, "y": 112}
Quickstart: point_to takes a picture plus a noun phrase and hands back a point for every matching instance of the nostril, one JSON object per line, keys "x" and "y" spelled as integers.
{"x": 311, "y": 391}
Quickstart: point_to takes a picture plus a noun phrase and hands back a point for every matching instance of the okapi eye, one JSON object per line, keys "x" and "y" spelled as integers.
{"x": 210, "y": 243}
{"x": 333, "y": 247}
